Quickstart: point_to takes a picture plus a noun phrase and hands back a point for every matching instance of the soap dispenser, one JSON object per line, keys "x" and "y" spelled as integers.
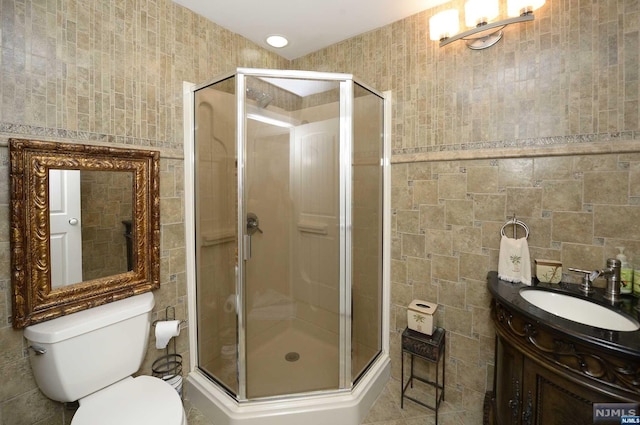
{"x": 626, "y": 273}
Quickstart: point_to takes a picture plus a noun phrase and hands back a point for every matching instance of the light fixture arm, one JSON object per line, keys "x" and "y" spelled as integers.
{"x": 482, "y": 28}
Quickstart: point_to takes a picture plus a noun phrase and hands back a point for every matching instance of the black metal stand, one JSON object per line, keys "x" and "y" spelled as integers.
{"x": 430, "y": 348}
{"x": 169, "y": 367}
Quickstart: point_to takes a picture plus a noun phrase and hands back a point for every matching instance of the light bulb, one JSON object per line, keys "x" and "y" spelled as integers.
{"x": 479, "y": 11}
{"x": 277, "y": 41}
{"x": 520, "y": 7}
{"x": 444, "y": 24}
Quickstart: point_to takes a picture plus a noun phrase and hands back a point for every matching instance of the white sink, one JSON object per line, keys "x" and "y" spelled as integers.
{"x": 579, "y": 310}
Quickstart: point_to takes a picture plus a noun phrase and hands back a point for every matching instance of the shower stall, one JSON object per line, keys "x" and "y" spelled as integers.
{"x": 287, "y": 199}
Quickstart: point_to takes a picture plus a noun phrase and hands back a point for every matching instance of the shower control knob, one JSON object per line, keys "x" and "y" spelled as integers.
{"x": 253, "y": 224}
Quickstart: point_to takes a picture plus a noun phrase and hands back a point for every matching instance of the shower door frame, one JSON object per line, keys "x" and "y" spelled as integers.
{"x": 381, "y": 360}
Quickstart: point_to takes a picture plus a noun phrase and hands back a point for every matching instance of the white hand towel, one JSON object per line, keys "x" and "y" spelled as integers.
{"x": 514, "y": 263}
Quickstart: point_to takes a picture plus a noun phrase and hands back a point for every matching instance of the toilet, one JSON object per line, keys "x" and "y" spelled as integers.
{"x": 90, "y": 356}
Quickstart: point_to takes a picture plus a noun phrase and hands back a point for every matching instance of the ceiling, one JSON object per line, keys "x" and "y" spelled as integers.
{"x": 310, "y": 25}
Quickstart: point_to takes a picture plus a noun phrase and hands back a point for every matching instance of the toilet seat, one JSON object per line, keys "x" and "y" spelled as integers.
{"x": 134, "y": 401}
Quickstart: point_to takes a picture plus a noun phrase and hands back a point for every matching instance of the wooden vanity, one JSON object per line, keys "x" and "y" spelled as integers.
{"x": 550, "y": 370}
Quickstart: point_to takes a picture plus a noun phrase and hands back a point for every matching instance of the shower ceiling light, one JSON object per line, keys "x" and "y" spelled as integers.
{"x": 478, "y": 13}
{"x": 277, "y": 41}
{"x": 269, "y": 120}
{"x": 269, "y": 117}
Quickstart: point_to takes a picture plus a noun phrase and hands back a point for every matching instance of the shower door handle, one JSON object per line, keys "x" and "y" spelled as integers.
{"x": 247, "y": 248}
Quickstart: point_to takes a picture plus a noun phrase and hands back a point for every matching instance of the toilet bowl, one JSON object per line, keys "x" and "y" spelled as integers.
{"x": 141, "y": 400}
{"x": 90, "y": 356}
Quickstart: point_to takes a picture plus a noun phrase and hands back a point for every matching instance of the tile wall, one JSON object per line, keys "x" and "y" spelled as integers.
{"x": 107, "y": 202}
{"x": 446, "y": 237}
{"x": 571, "y": 72}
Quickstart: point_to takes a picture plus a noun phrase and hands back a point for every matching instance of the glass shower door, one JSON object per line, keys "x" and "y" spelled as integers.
{"x": 292, "y": 242}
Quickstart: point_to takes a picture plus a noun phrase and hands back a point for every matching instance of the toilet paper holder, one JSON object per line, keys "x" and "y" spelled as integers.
{"x": 169, "y": 366}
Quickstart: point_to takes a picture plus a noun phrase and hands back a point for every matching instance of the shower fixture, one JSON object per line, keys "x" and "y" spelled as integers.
{"x": 262, "y": 99}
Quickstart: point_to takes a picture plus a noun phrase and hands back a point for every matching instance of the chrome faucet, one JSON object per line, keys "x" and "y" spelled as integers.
{"x": 612, "y": 274}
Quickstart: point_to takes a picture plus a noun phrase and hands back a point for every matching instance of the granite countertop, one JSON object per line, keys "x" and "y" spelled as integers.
{"x": 628, "y": 343}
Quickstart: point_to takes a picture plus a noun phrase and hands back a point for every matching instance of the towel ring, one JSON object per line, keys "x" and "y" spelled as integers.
{"x": 515, "y": 223}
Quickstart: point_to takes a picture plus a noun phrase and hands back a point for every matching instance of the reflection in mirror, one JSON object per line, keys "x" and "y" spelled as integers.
{"x": 115, "y": 224}
{"x": 65, "y": 231}
{"x": 90, "y": 216}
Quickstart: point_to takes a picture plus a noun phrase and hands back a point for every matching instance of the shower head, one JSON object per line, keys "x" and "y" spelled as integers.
{"x": 262, "y": 99}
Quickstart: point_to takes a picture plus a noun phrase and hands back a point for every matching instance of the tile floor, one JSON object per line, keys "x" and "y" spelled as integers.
{"x": 385, "y": 411}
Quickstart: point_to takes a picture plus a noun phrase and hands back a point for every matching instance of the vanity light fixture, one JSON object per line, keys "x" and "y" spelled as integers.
{"x": 277, "y": 41}
{"x": 478, "y": 13}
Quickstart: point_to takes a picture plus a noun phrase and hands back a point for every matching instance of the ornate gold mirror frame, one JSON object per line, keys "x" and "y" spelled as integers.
{"x": 34, "y": 300}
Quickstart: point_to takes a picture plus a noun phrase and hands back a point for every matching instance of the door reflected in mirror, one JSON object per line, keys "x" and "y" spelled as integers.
{"x": 90, "y": 214}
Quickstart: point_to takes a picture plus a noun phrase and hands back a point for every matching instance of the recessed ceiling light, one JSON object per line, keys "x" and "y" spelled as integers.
{"x": 277, "y": 41}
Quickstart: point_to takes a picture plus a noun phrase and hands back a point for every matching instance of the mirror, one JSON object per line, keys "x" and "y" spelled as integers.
{"x": 116, "y": 226}
{"x": 90, "y": 216}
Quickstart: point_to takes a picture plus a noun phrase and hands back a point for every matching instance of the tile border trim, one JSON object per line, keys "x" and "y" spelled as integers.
{"x": 588, "y": 144}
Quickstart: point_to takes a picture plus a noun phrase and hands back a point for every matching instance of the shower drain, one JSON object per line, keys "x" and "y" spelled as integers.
{"x": 292, "y": 356}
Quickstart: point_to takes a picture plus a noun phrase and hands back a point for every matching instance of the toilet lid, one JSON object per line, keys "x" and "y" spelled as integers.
{"x": 135, "y": 401}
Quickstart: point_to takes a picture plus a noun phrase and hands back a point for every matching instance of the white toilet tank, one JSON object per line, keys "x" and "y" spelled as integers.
{"x": 91, "y": 349}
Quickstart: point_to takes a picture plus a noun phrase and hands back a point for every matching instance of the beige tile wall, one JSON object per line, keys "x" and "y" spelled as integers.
{"x": 106, "y": 202}
{"x": 573, "y": 71}
{"x": 447, "y": 237}
{"x": 470, "y": 132}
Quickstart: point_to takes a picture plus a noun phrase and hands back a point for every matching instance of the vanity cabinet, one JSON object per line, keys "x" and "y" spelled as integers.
{"x": 527, "y": 393}
{"x": 508, "y": 383}
{"x": 546, "y": 377}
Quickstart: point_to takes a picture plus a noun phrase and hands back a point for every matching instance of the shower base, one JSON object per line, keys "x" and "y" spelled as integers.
{"x": 292, "y": 357}
{"x": 295, "y": 359}
{"x": 336, "y": 408}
